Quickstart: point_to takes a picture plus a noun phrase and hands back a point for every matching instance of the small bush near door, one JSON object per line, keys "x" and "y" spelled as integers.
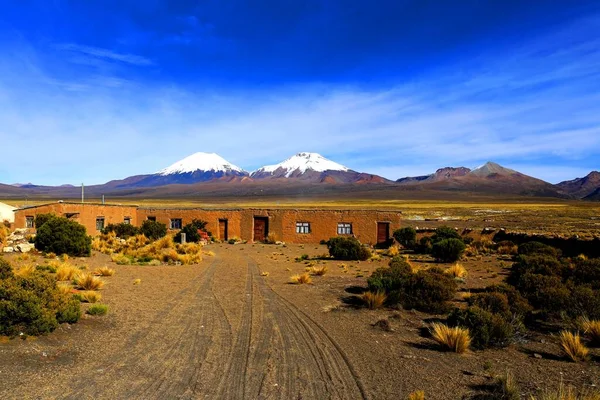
{"x": 347, "y": 248}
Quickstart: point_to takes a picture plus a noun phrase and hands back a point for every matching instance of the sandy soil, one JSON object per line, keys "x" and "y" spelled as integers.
{"x": 223, "y": 330}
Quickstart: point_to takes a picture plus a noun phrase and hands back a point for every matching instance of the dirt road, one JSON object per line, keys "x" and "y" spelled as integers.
{"x": 208, "y": 339}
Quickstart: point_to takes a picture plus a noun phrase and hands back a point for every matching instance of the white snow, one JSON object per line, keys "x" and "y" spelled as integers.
{"x": 303, "y": 162}
{"x": 200, "y": 162}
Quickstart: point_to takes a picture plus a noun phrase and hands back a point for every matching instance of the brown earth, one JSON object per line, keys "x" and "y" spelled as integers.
{"x": 223, "y": 330}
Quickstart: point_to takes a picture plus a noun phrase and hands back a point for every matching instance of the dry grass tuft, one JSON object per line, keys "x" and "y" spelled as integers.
{"x": 4, "y": 233}
{"x": 65, "y": 272}
{"x": 301, "y": 279}
{"x": 121, "y": 259}
{"x": 89, "y": 296}
{"x": 374, "y": 300}
{"x": 25, "y": 271}
{"x": 393, "y": 251}
{"x": 572, "y": 346}
{"x": 264, "y": 273}
{"x": 507, "y": 388}
{"x": 453, "y": 339}
{"x": 319, "y": 271}
{"x": 566, "y": 393}
{"x": 591, "y": 329}
{"x": 104, "y": 271}
{"x": 65, "y": 289}
{"x": 209, "y": 253}
{"x": 457, "y": 271}
{"x": 418, "y": 395}
{"x": 137, "y": 281}
{"x": 88, "y": 282}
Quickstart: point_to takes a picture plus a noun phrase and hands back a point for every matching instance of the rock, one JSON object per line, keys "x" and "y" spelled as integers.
{"x": 16, "y": 238}
{"x": 537, "y": 355}
{"x": 25, "y": 247}
{"x": 8, "y": 249}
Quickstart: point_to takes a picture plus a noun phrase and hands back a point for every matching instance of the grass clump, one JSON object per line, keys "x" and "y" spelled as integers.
{"x": 89, "y": 296}
{"x": 572, "y": 346}
{"x": 417, "y": 395}
{"x": 301, "y": 279}
{"x": 319, "y": 271}
{"x": 591, "y": 329}
{"x": 88, "y": 282}
{"x": 457, "y": 271}
{"x": 393, "y": 251}
{"x": 137, "y": 281}
{"x": 455, "y": 339}
{"x": 104, "y": 271}
{"x": 66, "y": 272}
{"x": 566, "y": 393}
{"x": 374, "y": 300}
{"x": 97, "y": 309}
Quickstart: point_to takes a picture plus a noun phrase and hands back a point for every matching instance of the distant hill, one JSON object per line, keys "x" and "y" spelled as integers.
{"x": 582, "y": 187}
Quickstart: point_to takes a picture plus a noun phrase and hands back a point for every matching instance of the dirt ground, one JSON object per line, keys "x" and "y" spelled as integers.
{"x": 224, "y": 329}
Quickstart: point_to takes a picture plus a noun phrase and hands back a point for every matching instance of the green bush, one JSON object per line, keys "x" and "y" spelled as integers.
{"x": 347, "y": 248}
{"x": 536, "y": 264}
{"x": 443, "y": 233}
{"x": 537, "y": 248}
{"x": 153, "y": 230}
{"x": 518, "y": 305}
{"x": 584, "y": 301}
{"x": 494, "y": 302}
{"x": 122, "y": 230}
{"x": 191, "y": 231}
{"x": 406, "y": 236}
{"x": 427, "y": 290}
{"x": 448, "y": 250}
{"x": 587, "y": 272}
{"x": 97, "y": 309}
{"x": 41, "y": 219}
{"x": 62, "y": 236}
{"x": 33, "y": 305}
{"x": 547, "y": 293}
{"x": 486, "y": 328}
{"x": 424, "y": 246}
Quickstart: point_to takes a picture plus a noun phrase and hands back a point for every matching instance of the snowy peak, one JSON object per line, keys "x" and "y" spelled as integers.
{"x": 203, "y": 162}
{"x": 300, "y": 164}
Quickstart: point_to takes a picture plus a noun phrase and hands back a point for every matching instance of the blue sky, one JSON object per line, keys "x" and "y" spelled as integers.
{"x": 97, "y": 90}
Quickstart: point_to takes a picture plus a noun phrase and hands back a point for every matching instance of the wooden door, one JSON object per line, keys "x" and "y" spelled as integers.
{"x": 223, "y": 229}
{"x": 260, "y": 229}
{"x": 383, "y": 232}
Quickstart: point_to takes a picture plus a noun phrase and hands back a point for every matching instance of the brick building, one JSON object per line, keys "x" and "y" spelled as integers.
{"x": 252, "y": 224}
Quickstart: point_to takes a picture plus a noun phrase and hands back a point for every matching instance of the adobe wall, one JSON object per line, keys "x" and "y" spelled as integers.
{"x": 84, "y": 214}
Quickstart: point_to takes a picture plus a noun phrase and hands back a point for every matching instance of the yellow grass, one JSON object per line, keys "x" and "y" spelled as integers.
{"x": 264, "y": 273}
{"x": 375, "y": 257}
{"x": 301, "y": 279}
{"x": 457, "y": 271}
{"x": 453, "y": 339}
{"x": 64, "y": 257}
{"x": 566, "y": 393}
{"x": 393, "y": 251}
{"x": 104, "y": 271}
{"x": 4, "y": 232}
{"x": 319, "y": 271}
{"x": 120, "y": 259}
{"x": 25, "y": 271}
{"x": 572, "y": 346}
{"x": 209, "y": 253}
{"x": 418, "y": 395}
{"x": 591, "y": 329}
{"x": 88, "y": 281}
{"x": 65, "y": 289}
{"x": 89, "y": 296}
{"x": 374, "y": 300}
{"x": 65, "y": 272}
{"x": 50, "y": 255}
{"x": 137, "y": 281}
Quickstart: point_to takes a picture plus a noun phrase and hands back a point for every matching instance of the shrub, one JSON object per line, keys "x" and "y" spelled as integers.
{"x": 63, "y": 236}
{"x": 303, "y": 257}
{"x": 122, "y": 230}
{"x": 301, "y": 279}
{"x": 573, "y": 347}
{"x": 448, "y": 250}
{"x": 457, "y": 271}
{"x": 424, "y": 246}
{"x": 587, "y": 272}
{"x": 191, "y": 231}
{"x": 494, "y": 302}
{"x": 453, "y": 339}
{"x": 41, "y": 219}
{"x": 547, "y": 293}
{"x": 374, "y": 300}
{"x": 518, "y": 305}
{"x": 507, "y": 247}
{"x": 97, "y": 309}
{"x": 487, "y": 329}
{"x": 535, "y": 264}
{"x": 319, "y": 271}
{"x": 537, "y": 248}
{"x": 88, "y": 282}
{"x": 591, "y": 329}
{"x": 33, "y": 304}
{"x": 391, "y": 279}
{"x": 347, "y": 248}
{"x": 583, "y": 301}
{"x": 429, "y": 290}
{"x": 443, "y": 233}
{"x": 406, "y": 236}
{"x": 153, "y": 230}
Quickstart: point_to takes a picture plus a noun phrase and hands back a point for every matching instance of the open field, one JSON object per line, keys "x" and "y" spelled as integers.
{"x": 233, "y": 327}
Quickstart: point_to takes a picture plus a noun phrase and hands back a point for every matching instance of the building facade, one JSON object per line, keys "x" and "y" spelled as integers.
{"x": 252, "y": 224}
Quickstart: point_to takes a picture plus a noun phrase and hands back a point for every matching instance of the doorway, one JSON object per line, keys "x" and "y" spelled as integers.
{"x": 261, "y": 228}
{"x": 223, "y": 231}
{"x": 383, "y": 232}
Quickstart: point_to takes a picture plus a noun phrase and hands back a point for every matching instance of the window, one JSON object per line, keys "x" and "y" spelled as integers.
{"x": 29, "y": 222}
{"x": 152, "y": 219}
{"x": 99, "y": 223}
{"x": 127, "y": 220}
{"x": 302, "y": 227}
{"x": 344, "y": 228}
{"x": 176, "y": 223}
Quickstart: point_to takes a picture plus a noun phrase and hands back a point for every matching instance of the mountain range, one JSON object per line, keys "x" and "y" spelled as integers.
{"x": 310, "y": 174}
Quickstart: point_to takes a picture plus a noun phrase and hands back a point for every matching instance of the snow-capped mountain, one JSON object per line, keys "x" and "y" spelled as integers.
{"x": 313, "y": 167}
{"x": 203, "y": 162}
